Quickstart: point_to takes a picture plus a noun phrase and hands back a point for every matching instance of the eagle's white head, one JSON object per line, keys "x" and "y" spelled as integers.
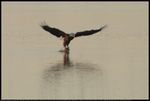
{"x": 72, "y": 35}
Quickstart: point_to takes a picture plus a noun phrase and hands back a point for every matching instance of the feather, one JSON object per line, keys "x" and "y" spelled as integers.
{"x": 54, "y": 31}
{"x": 89, "y": 32}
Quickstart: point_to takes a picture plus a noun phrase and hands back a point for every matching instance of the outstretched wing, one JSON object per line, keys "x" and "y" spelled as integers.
{"x": 89, "y": 32}
{"x": 56, "y": 32}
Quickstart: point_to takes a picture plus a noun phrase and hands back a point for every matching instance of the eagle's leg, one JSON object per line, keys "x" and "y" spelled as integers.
{"x": 66, "y": 47}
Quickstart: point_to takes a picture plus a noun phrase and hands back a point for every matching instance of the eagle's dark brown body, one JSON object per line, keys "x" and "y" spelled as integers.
{"x": 67, "y": 40}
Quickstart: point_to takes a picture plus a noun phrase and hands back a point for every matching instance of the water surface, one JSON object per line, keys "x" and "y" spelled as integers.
{"x": 112, "y": 64}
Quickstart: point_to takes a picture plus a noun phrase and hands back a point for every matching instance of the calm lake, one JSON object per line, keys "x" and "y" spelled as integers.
{"x": 112, "y": 64}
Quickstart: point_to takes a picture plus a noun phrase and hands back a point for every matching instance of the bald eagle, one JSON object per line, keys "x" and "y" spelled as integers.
{"x": 66, "y": 36}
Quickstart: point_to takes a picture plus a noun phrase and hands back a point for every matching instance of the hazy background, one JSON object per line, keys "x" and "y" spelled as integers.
{"x": 110, "y": 64}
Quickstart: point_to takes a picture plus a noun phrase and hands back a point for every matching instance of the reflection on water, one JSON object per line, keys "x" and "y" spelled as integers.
{"x": 70, "y": 80}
